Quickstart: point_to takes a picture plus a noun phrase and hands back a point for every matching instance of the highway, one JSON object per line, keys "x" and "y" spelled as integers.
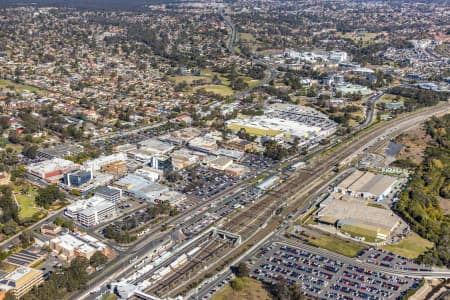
{"x": 233, "y": 37}
{"x": 271, "y": 72}
{"x": 370, "y": 109}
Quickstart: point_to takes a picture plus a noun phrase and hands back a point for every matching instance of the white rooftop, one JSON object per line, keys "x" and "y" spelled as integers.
{"x": 18, "y": 273}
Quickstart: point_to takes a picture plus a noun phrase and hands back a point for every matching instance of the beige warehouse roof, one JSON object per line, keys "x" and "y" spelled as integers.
{"x": 366, "y": 182}
{"x": 356, "y": 211}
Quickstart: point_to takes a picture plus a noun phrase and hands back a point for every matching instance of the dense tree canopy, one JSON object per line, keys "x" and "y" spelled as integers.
{"x": 69, "y": 279}
{"x": 419, "y": 203}
{"x": 48, "y": 195}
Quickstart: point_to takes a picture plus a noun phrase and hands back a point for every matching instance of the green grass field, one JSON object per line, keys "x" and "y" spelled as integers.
{"x": 247, "y": 37}
{"x": 25, "y": 195}
{"x": 6, "y": 84}
{"x": 216, "y": 89}
{"x": 189, "y": 79}
{"x": 411, "y": 246}
{"x": 338, "y": 245}
{"x": 366, "y": 37}
{"x": 209, "y": 73}
{"x": 251, "y": 290}
{"x": 27, "y": 206}
{"x": 17, "y": 148}
{"x": 368, "y": 234}
{"x": 250, "y": 81}
{"x": 255, "y": 131}
{"x": 388, "y": 98}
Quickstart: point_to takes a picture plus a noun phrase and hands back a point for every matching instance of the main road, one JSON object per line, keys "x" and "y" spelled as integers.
{"x": 271, "y": 72}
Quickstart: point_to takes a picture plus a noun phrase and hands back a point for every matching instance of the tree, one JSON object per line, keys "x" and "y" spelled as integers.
{"x": 13, "y": 137}
{"x": 48, "y": 195}
{"x": 238, "y": 84}
{"x": 59, "y": 221}
{"x": 10, "y": 227}
{"x": 4, "y": 123}
{"x": 77, "y": 273}
{"x": 242, "y": 270}
{"x": 237, "y": 284}
{"x": 10, "y": 211}
{"x": 275, "y": 150}
{"x": 280, "y": 289}
{"x": 98, "y": 259}
{"x": 26, "y": 238}
{"x": 419, "y": 202}
{"x": 30, "y": 151}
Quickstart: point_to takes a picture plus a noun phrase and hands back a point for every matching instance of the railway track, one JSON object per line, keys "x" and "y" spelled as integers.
{"x": 214, "y": 248}
{"x": 250, "y": 220}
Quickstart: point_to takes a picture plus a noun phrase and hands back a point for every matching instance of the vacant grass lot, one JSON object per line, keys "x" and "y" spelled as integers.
{"x": 411, "y": 246}
{"x": 338, "y": 245}
{"x": 222, "y": 77}
{"x": 216, "y": 89}
{"x": 27, "y": 206}
{"x": 6, "y": 85}
{"x": 388, "y": 98}
{"x": 251, "y": 290}
{"x": 250, "y": 81}
{"x": 368, "y": 234}
{"x": 366, "y": 37}
{"x": 189, "y": 79}
{"x": 17, "y": 148}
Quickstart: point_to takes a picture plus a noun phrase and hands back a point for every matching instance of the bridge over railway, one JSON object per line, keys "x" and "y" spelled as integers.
{"x": 226, "y": 234}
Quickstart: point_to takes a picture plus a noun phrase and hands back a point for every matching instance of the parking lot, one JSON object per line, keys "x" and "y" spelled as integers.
{"x": 257, "y": 163}
{"x": 326, "y": 278}
{"x": 390, "y": 260}
{"x": 222, "y": 209}
{"x": 138, "y": 137}
{"x": 202, "y": 182}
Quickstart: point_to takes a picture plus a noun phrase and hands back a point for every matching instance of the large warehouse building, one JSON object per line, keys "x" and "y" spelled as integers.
{"x": 367, "y": 185}
{"x": 352, "y": 215}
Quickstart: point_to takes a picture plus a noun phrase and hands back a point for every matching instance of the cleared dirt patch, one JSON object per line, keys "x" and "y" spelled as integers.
{"x": 415, "y": 142}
